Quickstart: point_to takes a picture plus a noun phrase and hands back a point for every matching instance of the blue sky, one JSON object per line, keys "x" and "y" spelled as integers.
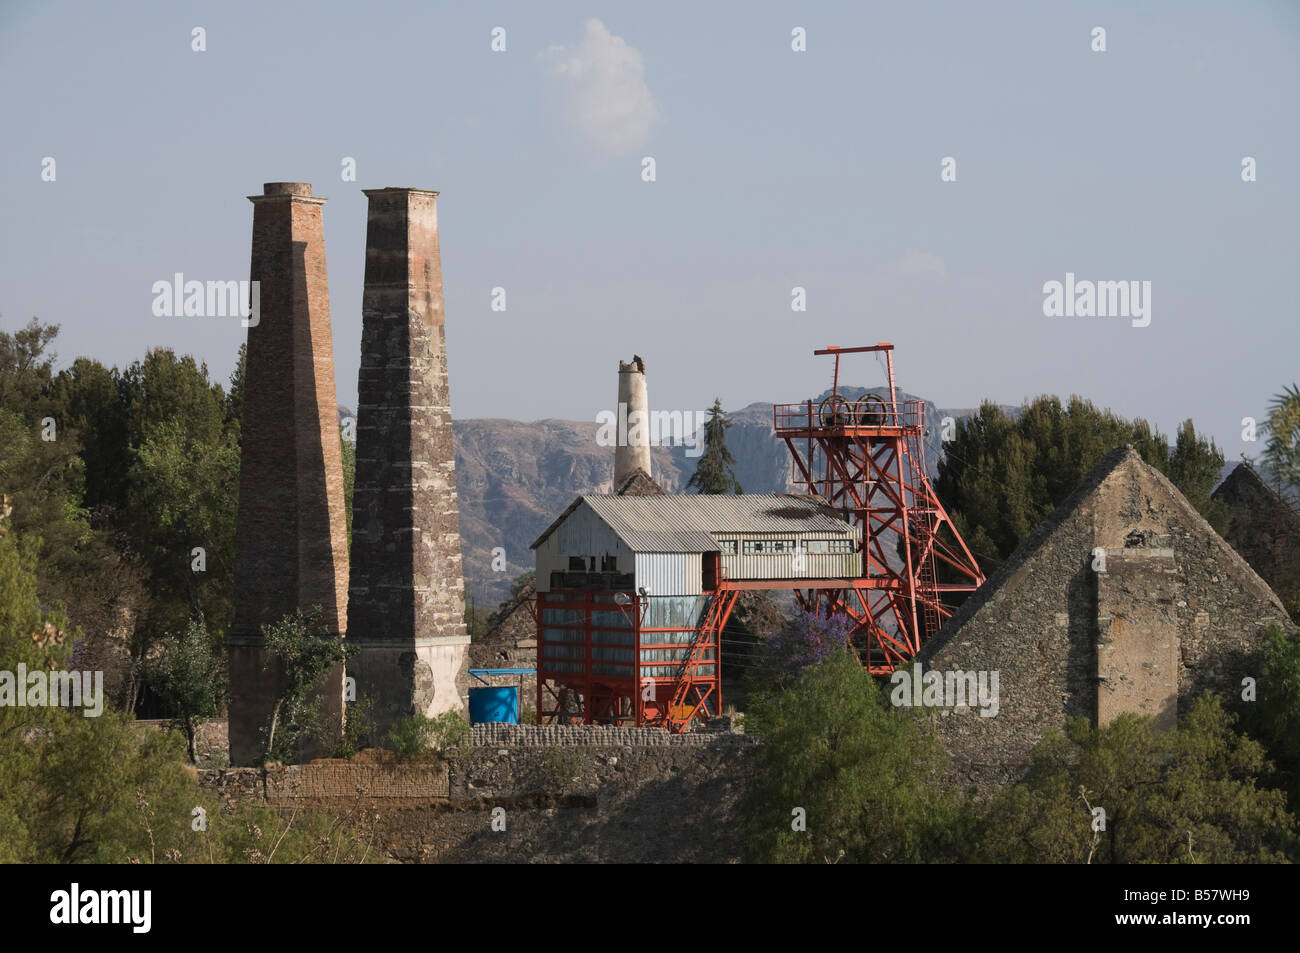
{"x": 774, "y": 168}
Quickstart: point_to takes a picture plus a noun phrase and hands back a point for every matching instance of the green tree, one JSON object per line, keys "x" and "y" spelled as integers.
{"x": 1196, "y": 470}
{"x": 89, "y": 402}
{"x": 20, "y": 609}
{"x": 349, "y": 478}
{"x": 184, "y": 494}
{"x": 863, "y": 773}
{"x": 235, "y": 396}
{"x": 163, "y": 387}
{"x": 1185, "y": 796}
{"x": 190, "y": 679}
{"x": 82, "y": 566}
{"x": 1000, "y": 477}
{"x": 143, "y": 468}
{"x": 26, "y": 365}
{"x": 40, "y": 467}
{"x": 94, "y": 784}
{"x": 43, "y": 479}
{"x": 1274, "y": 716}
{"x": 303, "y": 652}
{"x": 715, "y": 471}
{"x": 20, "y": 618}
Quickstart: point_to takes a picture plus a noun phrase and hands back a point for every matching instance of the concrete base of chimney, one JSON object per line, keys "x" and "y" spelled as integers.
{"x": 401, "y": 679}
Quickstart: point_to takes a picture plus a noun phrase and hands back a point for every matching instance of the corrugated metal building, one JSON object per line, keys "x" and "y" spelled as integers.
{"x": 633, "y": 594}
{"x": 659, "y": 543}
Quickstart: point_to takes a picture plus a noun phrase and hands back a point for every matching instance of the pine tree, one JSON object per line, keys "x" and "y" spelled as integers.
{"x": 1001, "y": 476}
{"x": 1196, "y": 471}
{"x": 715, "y": 472}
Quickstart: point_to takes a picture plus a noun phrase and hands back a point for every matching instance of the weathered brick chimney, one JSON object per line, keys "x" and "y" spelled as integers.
{"x": 407, "y": 597}
{"x": 291, "y": 538}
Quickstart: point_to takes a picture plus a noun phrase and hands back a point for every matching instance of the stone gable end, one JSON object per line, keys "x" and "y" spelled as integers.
{"x": 1176, "y": 612}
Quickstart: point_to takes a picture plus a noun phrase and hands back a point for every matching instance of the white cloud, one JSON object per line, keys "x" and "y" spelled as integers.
{"x": 607, "y": 99}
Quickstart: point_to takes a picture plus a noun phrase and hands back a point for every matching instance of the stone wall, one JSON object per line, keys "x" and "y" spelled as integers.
{"x": 1137, "y": 635}
{"x": 569, "y": 794}
{"x": 211, "y": 739}
{"x": 1039, "y": 622}
{"x": 534, "y": 736}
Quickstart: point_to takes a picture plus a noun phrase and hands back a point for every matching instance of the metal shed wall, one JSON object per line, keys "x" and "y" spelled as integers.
{"x": 669, "y": 574}
{"x": 583, "y": 533}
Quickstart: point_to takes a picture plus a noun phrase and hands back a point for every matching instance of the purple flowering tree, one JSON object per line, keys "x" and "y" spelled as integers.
{"x": 808, "y": 639}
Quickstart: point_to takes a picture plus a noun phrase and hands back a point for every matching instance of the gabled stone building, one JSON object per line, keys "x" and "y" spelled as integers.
{"x": 1123, "y": 600}
{"x": 1265, "y": 530}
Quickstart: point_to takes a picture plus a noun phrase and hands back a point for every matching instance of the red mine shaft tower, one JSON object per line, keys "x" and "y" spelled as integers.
{"x": 634, "y": 592}
{"x": 867, "y": 457}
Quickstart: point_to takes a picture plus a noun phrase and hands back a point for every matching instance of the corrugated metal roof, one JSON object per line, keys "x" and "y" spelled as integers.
{"x": 685, "y": 522}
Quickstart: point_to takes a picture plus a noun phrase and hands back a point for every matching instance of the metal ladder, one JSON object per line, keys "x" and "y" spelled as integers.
{"x": 719, "y": 603}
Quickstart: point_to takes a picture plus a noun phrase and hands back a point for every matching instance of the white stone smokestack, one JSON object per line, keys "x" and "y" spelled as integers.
{"x": 632, "y": 451}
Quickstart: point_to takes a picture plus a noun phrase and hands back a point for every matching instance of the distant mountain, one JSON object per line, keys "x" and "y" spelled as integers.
{"x": 513, "y": 479}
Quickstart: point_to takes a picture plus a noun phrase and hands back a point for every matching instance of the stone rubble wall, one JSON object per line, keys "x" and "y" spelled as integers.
{"x": 596, "y": 736}
{"x": 565, "y": 794}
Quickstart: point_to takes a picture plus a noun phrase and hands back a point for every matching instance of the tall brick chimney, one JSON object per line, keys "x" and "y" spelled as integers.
{"x": 407, "y": 597}
{"x": 291, "y": 538}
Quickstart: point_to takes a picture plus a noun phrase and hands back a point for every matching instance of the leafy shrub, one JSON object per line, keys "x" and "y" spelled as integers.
{"x": 419, "y": 734}
{"x": 561, "y": 767}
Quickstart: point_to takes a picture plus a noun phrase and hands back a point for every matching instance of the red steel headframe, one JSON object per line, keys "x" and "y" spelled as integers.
{"x": 868, "y": 459}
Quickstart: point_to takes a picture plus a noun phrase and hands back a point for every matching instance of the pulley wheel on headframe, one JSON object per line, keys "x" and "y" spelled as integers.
{"x": 870, "y": 411}
{"x": 835, "y": 411}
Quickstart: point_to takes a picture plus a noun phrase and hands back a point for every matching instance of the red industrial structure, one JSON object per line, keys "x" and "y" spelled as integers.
{"x": 597, "y": 688}
{"x": 602, "y": 660}
{"x": 868, "y": 458}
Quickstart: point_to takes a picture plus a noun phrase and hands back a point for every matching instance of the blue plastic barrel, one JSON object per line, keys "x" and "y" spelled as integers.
{"x": 500, "y": 703}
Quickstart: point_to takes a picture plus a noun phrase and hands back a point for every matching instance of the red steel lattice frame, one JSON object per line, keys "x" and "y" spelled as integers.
{"x": 868, "y": 459}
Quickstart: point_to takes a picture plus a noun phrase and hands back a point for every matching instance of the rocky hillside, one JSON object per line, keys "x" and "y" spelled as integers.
{"x": 514, "y": 478}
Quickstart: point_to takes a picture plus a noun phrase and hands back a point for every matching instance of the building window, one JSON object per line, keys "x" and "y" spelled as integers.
{"x": 728, "y": 547}
{"x": 839, "y": 546}
{"x": 577, "y": 564}
{"x": 830, "y": 546}
{"x": 766, "y": 546}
